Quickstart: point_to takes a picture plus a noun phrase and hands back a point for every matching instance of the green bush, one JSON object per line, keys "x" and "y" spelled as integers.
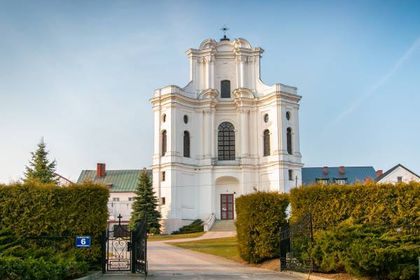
{"x": 195, "y": 226}
{"x": 33, "y": 209}
{"x": 259, "y": 218}
{"x": 380, "y": 204}
{"x": 365, "y": 250}
{"x": 14, "y": 268}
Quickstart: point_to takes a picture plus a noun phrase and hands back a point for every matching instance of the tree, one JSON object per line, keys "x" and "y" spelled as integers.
{"x": 145, "y": 204}
{"x": 40, "y": 169}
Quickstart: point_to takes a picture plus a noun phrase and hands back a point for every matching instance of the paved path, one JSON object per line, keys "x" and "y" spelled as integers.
{"x": 170, "y": 262}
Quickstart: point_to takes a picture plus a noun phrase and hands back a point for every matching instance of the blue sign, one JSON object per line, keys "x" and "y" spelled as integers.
{"x": 83, "y": 241}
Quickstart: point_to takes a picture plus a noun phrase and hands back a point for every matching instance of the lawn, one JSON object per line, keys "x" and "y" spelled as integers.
{"x": 163, "y": 237}
{"x": 223, "y": 247}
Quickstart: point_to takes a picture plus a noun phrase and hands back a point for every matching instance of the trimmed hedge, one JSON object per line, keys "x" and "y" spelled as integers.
{"x": 195, "y": 226}
{"x": 380, "y": 204}
{"x": 363, "y": 250}
{"x": 259, "y": 218}
{"x": 366, "y": 230}
{"x": 34, "y": 209}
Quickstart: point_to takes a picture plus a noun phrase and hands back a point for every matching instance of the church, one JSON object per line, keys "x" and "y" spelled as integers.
{"x": 224, "y": 134}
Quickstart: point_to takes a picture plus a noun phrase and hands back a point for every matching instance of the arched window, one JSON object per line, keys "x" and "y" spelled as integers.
{"x": 225, "y": 89}
{"x": 289, "y": 140}
{"x": 266, "y": 142}
{"x": 226, "y": 141}
{"x": 164, "y": 142}
{"x": 186, "y": 144}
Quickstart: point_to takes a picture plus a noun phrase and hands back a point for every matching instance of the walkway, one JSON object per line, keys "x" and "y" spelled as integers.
{"x": 168, "y": 262}
{"x": 171, "y": 262}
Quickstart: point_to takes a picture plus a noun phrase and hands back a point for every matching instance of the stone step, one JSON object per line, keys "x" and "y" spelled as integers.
{"x": 223, "y": 225}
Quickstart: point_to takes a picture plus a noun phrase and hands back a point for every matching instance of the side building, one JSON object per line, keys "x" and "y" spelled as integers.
{"x": 122, "y": 185}
{"x": 397, "y": 174}
{"x": 340, "y": 175}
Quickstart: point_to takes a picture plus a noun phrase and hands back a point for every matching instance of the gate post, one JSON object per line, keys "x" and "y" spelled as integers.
{"x": 103, "y": 251}
{"x": 133, "y": 249}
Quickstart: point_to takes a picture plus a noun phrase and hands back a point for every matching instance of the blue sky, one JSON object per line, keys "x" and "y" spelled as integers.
{"x": 81, "y": 73}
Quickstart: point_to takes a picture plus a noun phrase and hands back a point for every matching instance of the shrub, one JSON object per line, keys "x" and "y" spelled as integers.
{"x": 33, "y": 209}
{"x": 365, "y": 250}
{"x": 259, "y": 218}
{"x": 380, "y": 204}
{"x": 38, "y": 269}
{"x": 195, "y": 226}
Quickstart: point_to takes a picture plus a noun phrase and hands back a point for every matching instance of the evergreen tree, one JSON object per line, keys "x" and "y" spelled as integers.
{"x": 40, "y": 169}
{"x": 145, "y": 204}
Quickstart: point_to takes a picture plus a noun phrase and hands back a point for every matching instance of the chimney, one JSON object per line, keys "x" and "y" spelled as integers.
{"x": 325, "y": 170}
{"x": 100, "y": 170}
{"x": 341, "y": 170}
{"x": 379, "y": 172}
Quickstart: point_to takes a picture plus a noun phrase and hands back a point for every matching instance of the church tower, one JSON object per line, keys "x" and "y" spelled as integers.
{"x": 223, "y": 135}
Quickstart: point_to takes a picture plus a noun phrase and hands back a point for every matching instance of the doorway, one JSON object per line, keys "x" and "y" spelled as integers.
{"x": 227, "y": 207}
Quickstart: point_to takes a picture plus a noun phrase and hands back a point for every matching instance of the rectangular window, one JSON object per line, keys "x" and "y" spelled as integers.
{"x": 322, "y": 181}
{"x": 131, "y": 199}
{"x": 290, "y": 175}
{"x": 163, "y": 201}
{"x": 115, "y": 199}
{"x": 163, "y": 176}
{"x": 340, "y": 181}
{"x": 399, "y": 179}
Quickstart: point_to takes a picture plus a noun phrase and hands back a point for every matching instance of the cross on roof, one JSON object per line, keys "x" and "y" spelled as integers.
{"x": 224, "y": 29}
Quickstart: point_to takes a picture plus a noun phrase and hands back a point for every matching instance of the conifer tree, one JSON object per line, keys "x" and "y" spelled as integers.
{"x": 145, "y": 204}
{"x": 40, "y": 169}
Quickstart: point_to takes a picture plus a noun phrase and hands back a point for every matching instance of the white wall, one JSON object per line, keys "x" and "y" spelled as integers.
{"x": 123, "y": 206}
{"x": 399, "y": 172}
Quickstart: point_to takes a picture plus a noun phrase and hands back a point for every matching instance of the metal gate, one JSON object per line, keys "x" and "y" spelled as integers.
{"x": 139, "y": 253}
{"x": 118, "y": 247}
{"x": 125, "y": 250}
{"x": 295, "y": 241}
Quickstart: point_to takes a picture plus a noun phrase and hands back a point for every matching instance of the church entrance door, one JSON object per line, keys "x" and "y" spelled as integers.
{"x": 226, "y": 206}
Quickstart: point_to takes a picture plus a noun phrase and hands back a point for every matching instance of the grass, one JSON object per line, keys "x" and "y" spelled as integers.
{"x": 224, "y": 247}
{"x": 163, "y": 237}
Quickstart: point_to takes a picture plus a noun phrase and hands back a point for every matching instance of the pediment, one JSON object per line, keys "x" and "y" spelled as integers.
{"x": 209, "y": 94}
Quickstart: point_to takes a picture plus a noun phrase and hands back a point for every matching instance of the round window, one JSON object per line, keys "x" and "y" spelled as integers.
{"x": 288, "y": 115}
{"x": 185, "y": 119}
{"x": 164, "y": 118}
{"x": 266, "y": 118}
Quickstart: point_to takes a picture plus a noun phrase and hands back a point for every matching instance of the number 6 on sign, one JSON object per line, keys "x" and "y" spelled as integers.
{"x": 83, "y": 241}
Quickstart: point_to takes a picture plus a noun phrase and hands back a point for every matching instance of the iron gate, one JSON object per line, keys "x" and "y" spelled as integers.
{"x": 125, "y": 250}
{"x": 118, "y": 247}
{"x": 139, "y": 253}
{"x": 295, "y": 241}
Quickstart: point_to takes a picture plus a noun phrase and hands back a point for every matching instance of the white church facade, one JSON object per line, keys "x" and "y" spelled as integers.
{"x": 223, "y": 135}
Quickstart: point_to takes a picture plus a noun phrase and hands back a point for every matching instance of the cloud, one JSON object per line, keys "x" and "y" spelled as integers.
{"x": 380, "y": 83}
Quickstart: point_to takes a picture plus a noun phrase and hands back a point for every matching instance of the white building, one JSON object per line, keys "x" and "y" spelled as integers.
{"x": 122, "y": 184}
{"x": 397, "y": 174}
{"x": 224, "y": 134}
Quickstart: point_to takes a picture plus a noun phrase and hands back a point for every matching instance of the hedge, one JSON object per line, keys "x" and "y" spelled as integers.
{"x": 259, "y": 218}
{"x": 381, "y": 204}
{"x": 365, "y": 230}
{"x": 365, "y": 250}
{"x": 195, "y": 226}
{"x": 32, "y": 210}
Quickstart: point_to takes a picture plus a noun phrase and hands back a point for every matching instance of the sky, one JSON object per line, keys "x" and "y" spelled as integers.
{"x": 80, "y": 74}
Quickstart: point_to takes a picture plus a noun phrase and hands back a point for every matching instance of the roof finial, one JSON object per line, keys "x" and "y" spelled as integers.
{"x": 224, "y": 29}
